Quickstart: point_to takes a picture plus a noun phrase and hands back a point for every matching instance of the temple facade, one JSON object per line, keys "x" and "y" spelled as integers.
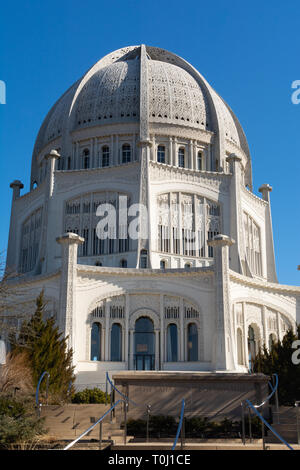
{"x": 142, "y": 227}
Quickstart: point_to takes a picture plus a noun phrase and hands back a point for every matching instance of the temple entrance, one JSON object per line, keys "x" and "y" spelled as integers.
{"x": 144, "y": 344}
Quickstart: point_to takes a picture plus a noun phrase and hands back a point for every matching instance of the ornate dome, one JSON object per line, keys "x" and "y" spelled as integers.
{"x": 110, "y": 93}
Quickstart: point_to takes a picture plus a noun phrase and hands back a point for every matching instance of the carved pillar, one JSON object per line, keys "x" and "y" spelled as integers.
{"x": 48, "y": 209}
{"x": 237, "y": 252}
{"x": 181, "y": 319}
{"x": 107, "y": 329}
{"x": 131, "y": 353}
{"x": 67, "y": 305}
{"x": 157, "y": 349}
{"x": 264, "y": 323}
{"x": 162, "y": 336}
{"x": 245, "y": 335}
{"x": 12, "y": 250}
{"x": 269, "y": 268}
{"x": 127, "y": 330}
{"x": 223, "y": 337}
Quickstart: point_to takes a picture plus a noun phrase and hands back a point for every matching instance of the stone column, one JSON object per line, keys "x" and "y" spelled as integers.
{"x": 48, "y": 229}
{"x": 270, "y": 269}
{"x": 181, "y": 319}
{"x": 237, "y": 253}
{"x": 126, "y": 331}
{"x": 245, "y": 336}
{"x": 67, "y": 296}
{"x": 107, "y": 329}
{"x": 264, "y": 323}
{"x": 157, "y": 349}
{"x": 131, "y": 353}
{"x": 223, "y": 337}
{"x": 162, "y": 335}
{"x": 12, "y": 249}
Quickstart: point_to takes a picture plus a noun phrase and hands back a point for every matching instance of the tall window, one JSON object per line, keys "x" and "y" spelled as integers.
{"x": 200, "y": 161}
{"x": 272, "y": 341}
{"x": 161, "y": 154}
{"x": 116, "y": 343}
{"x": 192, "y": 342}
{"x": 105, "y": 156}
{"x": 126, "y": 153}
{"x": 96, "y": 342}
{"x": 181, "y": 162}
{"x": 86, "y": 159}
{"x": 251, "y": 346}
{"x": 162, "y": 264}
{"x": 172, "y": 343}
{"x": 144, "y": 259}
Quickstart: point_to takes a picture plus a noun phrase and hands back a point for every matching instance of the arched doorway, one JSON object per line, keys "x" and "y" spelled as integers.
{"x": 144, "y": 344}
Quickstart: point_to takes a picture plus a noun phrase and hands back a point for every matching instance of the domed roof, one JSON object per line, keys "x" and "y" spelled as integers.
{"x": 110, "y": 92}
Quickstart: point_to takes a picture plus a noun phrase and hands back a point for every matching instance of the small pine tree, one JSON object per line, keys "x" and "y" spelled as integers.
{"x": 47, "y": 351}
{"x": 279, "y": 360}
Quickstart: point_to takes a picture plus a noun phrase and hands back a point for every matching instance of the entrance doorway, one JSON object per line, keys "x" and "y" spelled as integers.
{"x": 144, "y": 344}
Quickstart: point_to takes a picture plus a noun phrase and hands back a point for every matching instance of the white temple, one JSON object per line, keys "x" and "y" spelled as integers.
{"x": 142, "y": 126}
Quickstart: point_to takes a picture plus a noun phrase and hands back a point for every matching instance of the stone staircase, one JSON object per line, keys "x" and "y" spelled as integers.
{"x": 285, "y": 423}
{"x": 65, "y": 423}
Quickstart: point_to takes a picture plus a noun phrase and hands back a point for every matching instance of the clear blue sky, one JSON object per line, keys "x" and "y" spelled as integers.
{"x": 248, "y": 51}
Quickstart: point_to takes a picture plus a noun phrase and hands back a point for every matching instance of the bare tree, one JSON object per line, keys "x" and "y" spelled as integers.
{"x": 14, "y": 303}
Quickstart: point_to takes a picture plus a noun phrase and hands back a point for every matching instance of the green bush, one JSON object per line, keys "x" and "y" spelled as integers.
{"x": 18, "y": 424}
{"x": 195, "y": 427}
{"x": 89, "y": 395}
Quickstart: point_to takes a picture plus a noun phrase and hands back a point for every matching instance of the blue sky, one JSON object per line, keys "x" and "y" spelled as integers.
{"x": 248, "y": 51}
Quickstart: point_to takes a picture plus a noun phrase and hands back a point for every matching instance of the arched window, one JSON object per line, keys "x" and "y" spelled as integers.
{"x": 105, "y": 155}
{"x": 240, "y": 354}
{"x": 181, "y": 162}
{"x": 162, "y": 264}
{"x": 192, "y": 342}
{"x": 126, "y": 153}
{"x": 144, "y": 259}
{"x": 96, "y": 342}
{"x": 116, "y": 343}
{"x": 172, "y": 343}
{"x": 187, "y": 266}
{"x": 123, "y": 263}
{"x": 200, "y": 161}
{"x": 251, "y": 346}
{"x": 86, "y": 159}
{"x": 144, "y": 347}
{"x": 272, "y": 340}
{"x": 161, "y": 154}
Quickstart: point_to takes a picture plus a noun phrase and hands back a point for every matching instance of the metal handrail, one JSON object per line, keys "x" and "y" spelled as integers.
{"x": 38, "y": 387}
{"x": 268, "y": 425}
{"x": 179, "y": 424}
{"x": 93, "y": 425}
{"x": 128, "y": 400}
{"x": 271, "y": 394}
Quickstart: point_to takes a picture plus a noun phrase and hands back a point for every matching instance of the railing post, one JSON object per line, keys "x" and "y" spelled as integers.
{"x": 297, "y": 403}
{"x": 183, "y": 433}
{"x": 263, "y": 435}
{"x": 243, "y": 424}
{"x": 147, "y": 424}
{"x": 106, "y": 389}
{"x": 250, "y": 424}
{"x": 125, "y": 421}
{"x": 100, "y": 436}
{"x": 111, "y": 400}
{"x": 276, "y": 400}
